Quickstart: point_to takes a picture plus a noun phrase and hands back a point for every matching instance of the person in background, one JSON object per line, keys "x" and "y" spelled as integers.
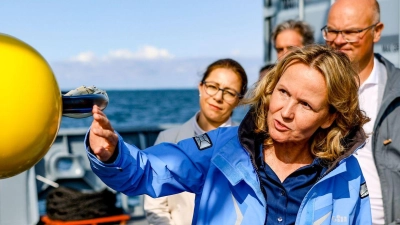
{"x": 264, "y": 70}
{"x": 291, "y": 33}
{"x": 288, "y": 35}
{"x": 223, "y": 84}
{"x": 353, "y": 27}
{"x": 289, "y": 162}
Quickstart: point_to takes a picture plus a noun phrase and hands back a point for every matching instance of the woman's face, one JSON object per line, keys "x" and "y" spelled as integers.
{"x": 215, "y": 108}
{"x": 298, "y": 105}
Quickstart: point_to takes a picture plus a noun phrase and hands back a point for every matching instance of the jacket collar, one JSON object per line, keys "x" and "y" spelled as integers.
{"x": 392, "y": 90}
{"x": 236, "y": 166}
{"x": 393, "y": 74}
{"x": 248, "y": 138}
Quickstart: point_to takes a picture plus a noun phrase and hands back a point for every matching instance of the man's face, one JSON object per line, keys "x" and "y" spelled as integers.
{"x": 352, "y": 15}
{"x": 285, "y": 40}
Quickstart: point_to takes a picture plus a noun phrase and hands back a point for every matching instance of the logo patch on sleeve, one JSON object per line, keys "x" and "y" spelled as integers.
{"x": 202, "y": 141}
{"x": 364, "y": 190}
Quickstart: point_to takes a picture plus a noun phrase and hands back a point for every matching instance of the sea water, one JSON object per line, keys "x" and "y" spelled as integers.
{"x": 142, "y": 108}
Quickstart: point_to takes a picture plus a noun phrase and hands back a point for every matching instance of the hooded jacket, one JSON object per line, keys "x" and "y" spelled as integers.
{"x": 386, "y": 143}
{"x": 219, "y": 168}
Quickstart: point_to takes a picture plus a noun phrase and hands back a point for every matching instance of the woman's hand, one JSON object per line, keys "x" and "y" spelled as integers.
{"x": 102, "y": 139}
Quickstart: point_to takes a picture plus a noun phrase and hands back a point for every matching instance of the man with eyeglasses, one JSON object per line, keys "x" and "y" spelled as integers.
{"x": 353, "y": 27}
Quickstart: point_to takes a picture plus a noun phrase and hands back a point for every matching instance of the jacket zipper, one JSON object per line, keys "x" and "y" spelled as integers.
{"x": 262, "y": 189}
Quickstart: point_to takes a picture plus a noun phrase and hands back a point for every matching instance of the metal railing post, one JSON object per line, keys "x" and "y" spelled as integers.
{"x": 301, "y": 9}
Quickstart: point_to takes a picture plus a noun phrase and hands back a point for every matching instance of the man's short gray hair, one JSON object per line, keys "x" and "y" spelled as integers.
{"x": 303, "y": 28}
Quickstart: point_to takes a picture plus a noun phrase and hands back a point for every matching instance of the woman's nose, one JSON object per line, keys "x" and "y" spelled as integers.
{"x": 219, "y": 95}
{"x": 288, "y": 110}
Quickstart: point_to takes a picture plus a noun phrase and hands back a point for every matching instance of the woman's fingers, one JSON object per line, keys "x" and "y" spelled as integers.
{"x": 101, "y": 118}
{"x": 102, "y": 133}
{"x": 102, "y": 138}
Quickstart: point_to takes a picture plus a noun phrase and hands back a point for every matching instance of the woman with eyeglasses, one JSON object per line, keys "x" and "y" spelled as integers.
{"x": 289, "y": 162}
{"x": 222, "y": 86}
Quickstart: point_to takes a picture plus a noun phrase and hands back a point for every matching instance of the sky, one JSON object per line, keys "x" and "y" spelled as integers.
{"x": 137, "y": 44}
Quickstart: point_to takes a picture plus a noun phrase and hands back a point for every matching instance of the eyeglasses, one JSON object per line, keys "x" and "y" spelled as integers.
{"x": 212, "y": 88}
{"x": 348, "y": 35}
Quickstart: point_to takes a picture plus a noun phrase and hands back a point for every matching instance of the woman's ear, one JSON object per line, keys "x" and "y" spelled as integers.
{"x": 331, "y": 118}
{"x": 200, "y": 88}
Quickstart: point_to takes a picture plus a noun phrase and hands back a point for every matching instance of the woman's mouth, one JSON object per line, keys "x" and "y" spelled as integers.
{"x": 214, "y": 107}
{"x": 280, "y": 126}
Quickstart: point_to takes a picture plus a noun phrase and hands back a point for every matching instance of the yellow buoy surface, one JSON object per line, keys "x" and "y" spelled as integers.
{"x": 30, "y": 106}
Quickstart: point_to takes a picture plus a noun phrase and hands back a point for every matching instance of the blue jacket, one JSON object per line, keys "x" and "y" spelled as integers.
{"x": 219, "y": 168}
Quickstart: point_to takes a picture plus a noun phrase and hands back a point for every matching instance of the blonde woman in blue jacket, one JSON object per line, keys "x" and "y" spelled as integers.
{"x": 289, "y": 162}
{"x": 216, "y": 108}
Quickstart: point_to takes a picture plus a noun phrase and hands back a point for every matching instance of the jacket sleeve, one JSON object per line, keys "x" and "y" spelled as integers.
{"x": 157, "y": 210}
{"x": 160, "y": 170}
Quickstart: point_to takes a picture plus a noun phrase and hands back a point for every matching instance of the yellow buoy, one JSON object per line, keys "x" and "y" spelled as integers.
{"x": 30, "y": 106}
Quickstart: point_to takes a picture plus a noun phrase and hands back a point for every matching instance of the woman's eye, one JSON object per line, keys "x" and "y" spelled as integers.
{"x": 230, "y": 93}
{"x": 306, "y": 105}
{"x": 212, "y": 87}
{"x": 282, "y": 91}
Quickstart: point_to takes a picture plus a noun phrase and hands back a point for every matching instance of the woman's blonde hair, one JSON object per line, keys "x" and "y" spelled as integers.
{"x": 342, "y": 83}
